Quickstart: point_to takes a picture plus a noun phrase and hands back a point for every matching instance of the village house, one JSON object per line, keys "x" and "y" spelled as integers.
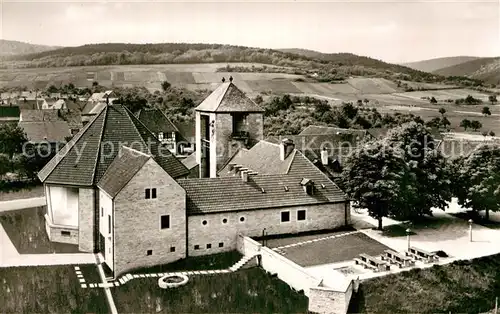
{"x": 134, "y": 205}
{"x": 44, "y": 127}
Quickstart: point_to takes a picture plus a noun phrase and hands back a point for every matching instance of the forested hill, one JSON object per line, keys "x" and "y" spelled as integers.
{"x": 12, "y": 47}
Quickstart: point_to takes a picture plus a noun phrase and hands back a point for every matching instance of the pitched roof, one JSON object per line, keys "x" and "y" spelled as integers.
{"x": 190, "y": 161}
{"x": 39, "y": 115}
{"x": 228, "y": 98}
{"x": 84, "y": 160}
{"x": 156, "y": 121}
{"x": 51, "y": 131}
{"x": 211, "y": 195}
{"x": 92, "y": 108}
{"x": 31, "y": 103}
{"x": 263, "y": 157}
{"x": 123, "y": 168}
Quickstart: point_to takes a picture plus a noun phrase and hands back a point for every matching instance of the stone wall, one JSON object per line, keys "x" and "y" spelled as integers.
{"x": 61, "y": 234}
{"x": 329, "y": 301}
{"x": 255, "y": 126}
{"x": 225, "y": 227}
{"x": 137, "y": 221}
{"x": 86, "y": 221}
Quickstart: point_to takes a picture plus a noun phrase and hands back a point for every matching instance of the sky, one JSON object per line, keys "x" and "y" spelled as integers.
{"x": 393, "y": 31}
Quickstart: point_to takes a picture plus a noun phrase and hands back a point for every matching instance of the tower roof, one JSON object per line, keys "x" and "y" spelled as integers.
{"x": 84, "y": 160}
{"x": 228, "y": 98}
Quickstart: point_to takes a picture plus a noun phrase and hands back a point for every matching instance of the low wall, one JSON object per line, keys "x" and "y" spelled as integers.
{"x": 329, "y": 301}
{"x": 22, "y": 204}
{"x": 321, "y": 299}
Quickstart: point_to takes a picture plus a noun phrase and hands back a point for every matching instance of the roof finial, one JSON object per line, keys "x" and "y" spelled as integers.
{"x": 230, "y": 79}
{"x": 223, "y": 79}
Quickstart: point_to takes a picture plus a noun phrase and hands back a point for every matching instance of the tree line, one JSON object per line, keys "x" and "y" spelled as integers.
{"x": 404, "y": 176}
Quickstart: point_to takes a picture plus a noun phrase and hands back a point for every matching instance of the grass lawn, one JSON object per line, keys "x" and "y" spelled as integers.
{"x": 49, "y": 289}
{"x": 460, "y": 287}
{"x": 206, "y": 262}
{"x": 26, "y": 230}
{"x": 334, "y": 250}
{"x": 245, "y": 291}
{"x": 29, "y": 192}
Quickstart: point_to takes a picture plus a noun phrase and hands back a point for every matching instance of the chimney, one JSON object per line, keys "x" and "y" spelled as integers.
{"x": 324, "y": 157}
{"x": 244, "y": 175}
{"x": 286, "y": 147}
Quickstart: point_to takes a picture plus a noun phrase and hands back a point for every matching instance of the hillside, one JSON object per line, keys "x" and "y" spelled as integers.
{"x": 432, "y": 65}
{"x": 486, "y": 69}
{"x": 328, "y": 67}
{"x": 12, "y": 48}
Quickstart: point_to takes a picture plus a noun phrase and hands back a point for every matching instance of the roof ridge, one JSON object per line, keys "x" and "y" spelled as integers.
{"x": 135, "y": 151}
{"x": 61, "y": 154}
{"x": 129, "y": 115}
{"x": 103, "y": 126}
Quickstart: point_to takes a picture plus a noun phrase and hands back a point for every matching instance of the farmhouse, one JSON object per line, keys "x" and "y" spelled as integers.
{"x": 110, "y": 193}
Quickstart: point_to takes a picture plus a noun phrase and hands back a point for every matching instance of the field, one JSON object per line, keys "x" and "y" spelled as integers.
{"x": 460, "y": 287}
{"x": 49, "y": 289}
{"x": 245, "y": 291}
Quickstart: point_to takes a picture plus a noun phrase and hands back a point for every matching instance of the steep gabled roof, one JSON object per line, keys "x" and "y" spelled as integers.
{"x": 123, "y": 168}
{"x": 211, "y": 195}
{"x": 263, "y": 157}
{"x": 85, "y": 159}
{"x": 51, "y": 131}
{"x": 156, "y": 121}
{"x": 228, "y": 98}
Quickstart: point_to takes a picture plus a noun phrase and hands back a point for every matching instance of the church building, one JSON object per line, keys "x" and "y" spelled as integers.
{"x": 114, "y": 189}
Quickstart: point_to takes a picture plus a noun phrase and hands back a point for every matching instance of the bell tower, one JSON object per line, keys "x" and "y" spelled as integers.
{"x": 226, "y": 121}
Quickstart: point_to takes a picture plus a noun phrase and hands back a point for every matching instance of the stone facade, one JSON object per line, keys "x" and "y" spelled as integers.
{"x": 329, "y": 301}
{"x": 86, "y": 203}
{"x": 216, "y": 231}
{"x": 61, "y": 234}
{"x": 137, "y": 221}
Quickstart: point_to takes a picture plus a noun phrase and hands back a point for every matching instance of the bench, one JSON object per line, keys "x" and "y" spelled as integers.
{"x": 420, "y": 254}
{"x": 399, "y": 259}
{"x": 371, "y": 262}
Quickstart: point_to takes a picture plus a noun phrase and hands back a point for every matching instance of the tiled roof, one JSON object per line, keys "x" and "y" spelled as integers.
{"x": 122, "y": 170}
{"x": 232, "y": 194}
{"x": 9, "y": 112}
{"x": 263, "y": 157}
{"x": 320, "y": 141}
{"x": 228, "y": 98}
{"x": 51, "y": 131}
{"x": 187, "y": 131}
{"x": 156, "y": 121}
{"x": 318, "y": 129}
{"x": 190, "y": 161}
{"x": 84, "y": 160}
{"x": 29, "y": 115}
{"x": 32, "y": 103}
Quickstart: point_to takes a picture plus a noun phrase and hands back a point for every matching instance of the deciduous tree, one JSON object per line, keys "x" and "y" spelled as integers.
{"x": 12, "y": 139}
{"x": 486, "y": 111}
{"x": 375, "y": 178}
{"x": 475, "y": 125}
{"x": 480, "y": 177}
{"x": 465, "y": 123}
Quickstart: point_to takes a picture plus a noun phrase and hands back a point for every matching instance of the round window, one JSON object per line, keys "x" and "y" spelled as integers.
{"x": 242, "y": 219}
{"x": 224, "y": 220}
{"x": 204, "y": 222}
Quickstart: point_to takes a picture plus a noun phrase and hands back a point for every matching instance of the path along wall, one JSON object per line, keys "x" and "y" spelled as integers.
{"x": 321, "y": 299}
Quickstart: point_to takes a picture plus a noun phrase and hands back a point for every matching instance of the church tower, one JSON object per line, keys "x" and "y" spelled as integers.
{"x": 225, "y": 121}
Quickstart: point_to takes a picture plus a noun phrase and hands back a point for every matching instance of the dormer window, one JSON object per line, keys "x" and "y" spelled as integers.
{"x": 308, "y": 186}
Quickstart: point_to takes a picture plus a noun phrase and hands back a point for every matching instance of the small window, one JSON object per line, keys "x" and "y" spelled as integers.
{"x": 204, "y": 222}
{"x": 196, "y": 247}
{"x": 285, "y": 216}
{"x": 109, "y": 224}
{"x": 153, "y": 193}
{"x": 66, "y": 233}
{"x": 221, "y": 244}
{"x": 224, "y": 220}
{"x": 242, "y": 219}
{"x": 147, "y": 193}
{"x": 172, "y": 249}
{"x": 209, "y": 246}
{"x": 301, "y": 214}
{"x": 165, "y": 222}
{"x": 102, "y": 212}
{"x": 149, "y": 252}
